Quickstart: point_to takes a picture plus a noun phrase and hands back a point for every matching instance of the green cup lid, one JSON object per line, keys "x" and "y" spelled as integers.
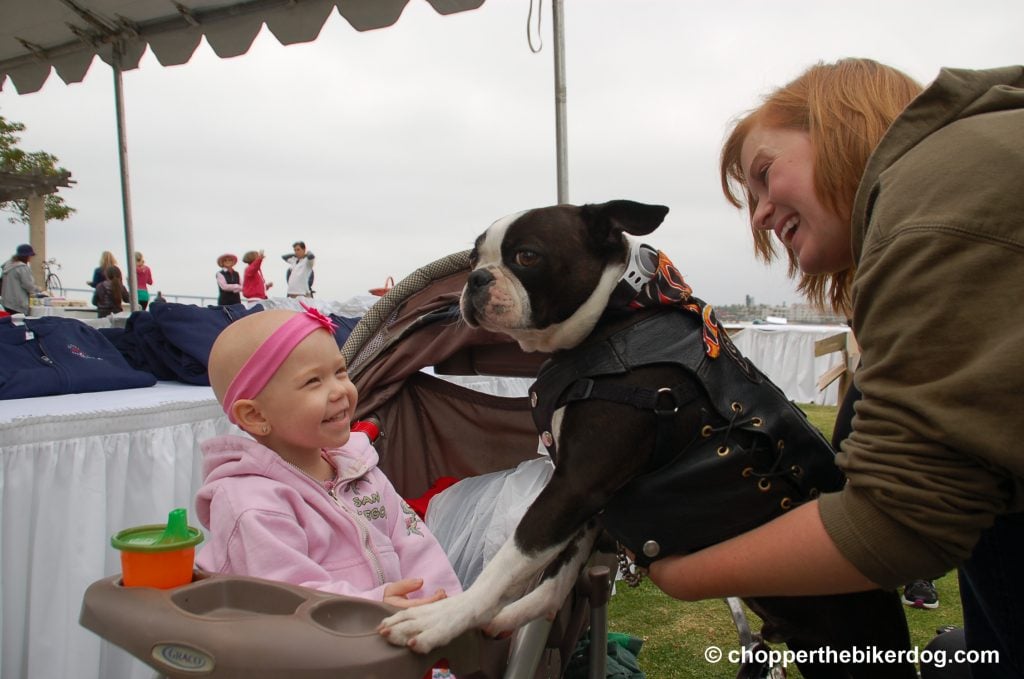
{"x": 159, "y": 537}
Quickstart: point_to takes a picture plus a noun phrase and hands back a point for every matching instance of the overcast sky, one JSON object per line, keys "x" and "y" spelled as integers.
{"x": 388, "y": 149}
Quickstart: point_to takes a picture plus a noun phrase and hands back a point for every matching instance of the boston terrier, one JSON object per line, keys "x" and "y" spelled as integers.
{"x": 661, "y": 433}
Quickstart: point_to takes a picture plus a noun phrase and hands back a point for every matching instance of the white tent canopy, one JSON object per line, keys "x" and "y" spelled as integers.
{"x": 39, "y": 35}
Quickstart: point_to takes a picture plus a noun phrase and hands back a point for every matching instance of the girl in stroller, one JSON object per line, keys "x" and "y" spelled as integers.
{"x": 305, "y": 503}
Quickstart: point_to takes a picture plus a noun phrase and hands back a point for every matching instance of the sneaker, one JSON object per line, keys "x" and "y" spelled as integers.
{"x": 921, "y": 594}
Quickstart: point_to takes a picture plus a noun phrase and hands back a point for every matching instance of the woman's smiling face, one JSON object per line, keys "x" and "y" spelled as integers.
{"x": 779, "y": 167}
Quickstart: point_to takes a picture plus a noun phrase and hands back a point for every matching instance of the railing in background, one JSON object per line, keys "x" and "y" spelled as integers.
{"x": 199, "y": 300}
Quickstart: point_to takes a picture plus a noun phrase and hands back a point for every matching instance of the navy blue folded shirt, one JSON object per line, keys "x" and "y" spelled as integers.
{"x": 53, "y": 355}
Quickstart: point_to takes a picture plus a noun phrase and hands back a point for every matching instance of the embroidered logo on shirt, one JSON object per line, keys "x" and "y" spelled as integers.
{"x": 412, "y": 521}
{"x": 77, "y": 351}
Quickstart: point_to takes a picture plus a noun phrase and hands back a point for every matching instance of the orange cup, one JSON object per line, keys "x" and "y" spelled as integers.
{"x": 162, "y": 570}
{"x": 158, "y": 555}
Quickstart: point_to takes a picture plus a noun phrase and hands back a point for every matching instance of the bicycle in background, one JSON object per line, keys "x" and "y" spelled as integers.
{"x": 51, "y": 281}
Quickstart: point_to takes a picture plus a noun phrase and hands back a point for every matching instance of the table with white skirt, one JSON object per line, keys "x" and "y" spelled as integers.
{"x": 785, "y": 353}
{"x": 76, "y": 469}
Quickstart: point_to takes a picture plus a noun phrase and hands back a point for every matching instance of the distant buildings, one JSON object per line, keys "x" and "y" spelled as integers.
{"x": 792, "y": 313}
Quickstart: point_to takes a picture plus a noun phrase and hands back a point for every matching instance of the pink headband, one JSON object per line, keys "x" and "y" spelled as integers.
{"x": 269, "y": 356}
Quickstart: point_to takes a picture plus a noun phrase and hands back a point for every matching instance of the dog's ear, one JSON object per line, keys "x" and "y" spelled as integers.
{"x": 607, "y": 221}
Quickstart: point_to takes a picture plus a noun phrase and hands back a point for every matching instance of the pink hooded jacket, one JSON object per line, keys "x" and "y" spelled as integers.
{"x": 266, "y": 518}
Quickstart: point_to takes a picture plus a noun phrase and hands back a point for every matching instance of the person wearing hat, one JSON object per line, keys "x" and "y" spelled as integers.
{"x": 228, "y": 281}
{"x": 17, "y": 281}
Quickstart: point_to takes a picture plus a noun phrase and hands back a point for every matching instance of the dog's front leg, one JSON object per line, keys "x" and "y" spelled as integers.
{"x": 424, "y": 628}
{"x": 547, "y": 597}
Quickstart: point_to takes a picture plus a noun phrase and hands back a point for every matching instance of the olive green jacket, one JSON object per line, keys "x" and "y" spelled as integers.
{"x": 937, "y": 449}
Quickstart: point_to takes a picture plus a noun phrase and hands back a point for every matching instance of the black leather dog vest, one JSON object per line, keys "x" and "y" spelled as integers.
{"x": 755, "y": 456}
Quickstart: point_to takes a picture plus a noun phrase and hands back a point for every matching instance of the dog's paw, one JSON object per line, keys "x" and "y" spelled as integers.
{"x": 424, "y": 628}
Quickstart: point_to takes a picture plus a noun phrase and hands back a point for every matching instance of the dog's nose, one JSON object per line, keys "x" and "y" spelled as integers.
{"x": 478, "y": 279}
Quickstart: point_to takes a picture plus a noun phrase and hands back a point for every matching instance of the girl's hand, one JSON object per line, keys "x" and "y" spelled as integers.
{"x": 395, "y": 593}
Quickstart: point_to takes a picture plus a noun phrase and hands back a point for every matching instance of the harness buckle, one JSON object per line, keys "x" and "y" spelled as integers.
{"x": 658, "y": 410}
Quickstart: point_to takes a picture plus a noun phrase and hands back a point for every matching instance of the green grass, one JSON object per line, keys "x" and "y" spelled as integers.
{"x": 676, "y": 633}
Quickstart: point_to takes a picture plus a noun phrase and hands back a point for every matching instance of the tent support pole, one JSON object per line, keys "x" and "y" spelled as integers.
{"x": 126, "y": 202}
{"x": 561, "y": 152}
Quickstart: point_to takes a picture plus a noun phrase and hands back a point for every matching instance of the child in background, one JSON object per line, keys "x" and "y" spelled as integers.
{"x": 143, "y": 278}
{"x": 304, "y": 502}
{"x": 110, "y": 293}
{"x": 228, "y": 283}
{"x": 253, "y": 284}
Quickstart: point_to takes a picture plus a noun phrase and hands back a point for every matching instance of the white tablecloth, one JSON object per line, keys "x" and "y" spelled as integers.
{"x": 77, "y": 469}
{"x": 785, "y": 353}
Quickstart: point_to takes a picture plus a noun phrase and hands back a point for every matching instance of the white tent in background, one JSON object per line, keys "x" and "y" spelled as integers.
{"x": 37, "y": 36}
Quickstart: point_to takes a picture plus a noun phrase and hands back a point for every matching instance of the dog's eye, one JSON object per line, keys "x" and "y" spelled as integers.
{"x": 526, "y": 258}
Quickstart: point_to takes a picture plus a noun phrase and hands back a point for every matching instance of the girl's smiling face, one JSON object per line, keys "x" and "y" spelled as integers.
{"x": 779, "y": 167}
{"x": 310, "y": 400}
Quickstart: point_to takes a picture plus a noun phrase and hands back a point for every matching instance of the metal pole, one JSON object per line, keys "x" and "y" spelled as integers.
{"x": 126, "y": 203}
{"x": 561, "y": 153}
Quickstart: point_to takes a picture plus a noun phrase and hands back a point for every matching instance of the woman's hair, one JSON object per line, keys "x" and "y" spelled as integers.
{"x": 138, "y": 257}
{"x": 113, "y": 275}
{"x": 846, "y": 107}
{"x": 250, "y": 256}
{"x": 107, "y": 260}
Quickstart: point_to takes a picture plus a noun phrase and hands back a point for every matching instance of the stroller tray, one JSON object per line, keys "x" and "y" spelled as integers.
{"x": 234, "y": 626}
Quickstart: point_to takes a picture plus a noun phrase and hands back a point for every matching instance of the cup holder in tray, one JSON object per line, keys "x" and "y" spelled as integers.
{"x": 348, "y": 616}
{"x": 229, "y": 598}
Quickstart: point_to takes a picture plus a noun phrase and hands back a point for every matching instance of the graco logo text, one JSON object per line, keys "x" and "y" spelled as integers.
{"x": 183, "y": 658}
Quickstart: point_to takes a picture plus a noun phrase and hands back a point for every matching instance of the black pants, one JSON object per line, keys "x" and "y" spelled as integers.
{"x": 992, "y": 593}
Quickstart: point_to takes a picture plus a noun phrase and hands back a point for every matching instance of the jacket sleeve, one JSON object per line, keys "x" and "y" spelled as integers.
{"x": 271, "y": 544}
{"x": 934, "y": 456}
{"x": 28, "y": 283}
{"x": 419, "y": 553}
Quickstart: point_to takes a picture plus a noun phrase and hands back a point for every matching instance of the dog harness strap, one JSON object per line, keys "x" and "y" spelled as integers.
{"x": 667, "y": 400}
{"x": 664, "y": 402}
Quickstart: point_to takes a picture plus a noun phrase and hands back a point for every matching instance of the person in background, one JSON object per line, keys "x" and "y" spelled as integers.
{"x": 300, "y": 498}
{"x": 905, "y": 207}
{"x": 110, "y": 293}
{"x": 99, "y": 274}
{"x": 254, "y": 286}
{"x": 17, "y": 283}
{"x": 228, "y": 281}
{"x": 143, "y": 279}
{"x": 300, "y": 270}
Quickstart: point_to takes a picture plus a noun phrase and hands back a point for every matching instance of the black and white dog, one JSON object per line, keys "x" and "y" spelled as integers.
{"x": 617, "y": 409}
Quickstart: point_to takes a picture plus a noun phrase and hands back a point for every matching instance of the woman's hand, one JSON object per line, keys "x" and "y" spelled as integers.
{"x": 396, "y": 593}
